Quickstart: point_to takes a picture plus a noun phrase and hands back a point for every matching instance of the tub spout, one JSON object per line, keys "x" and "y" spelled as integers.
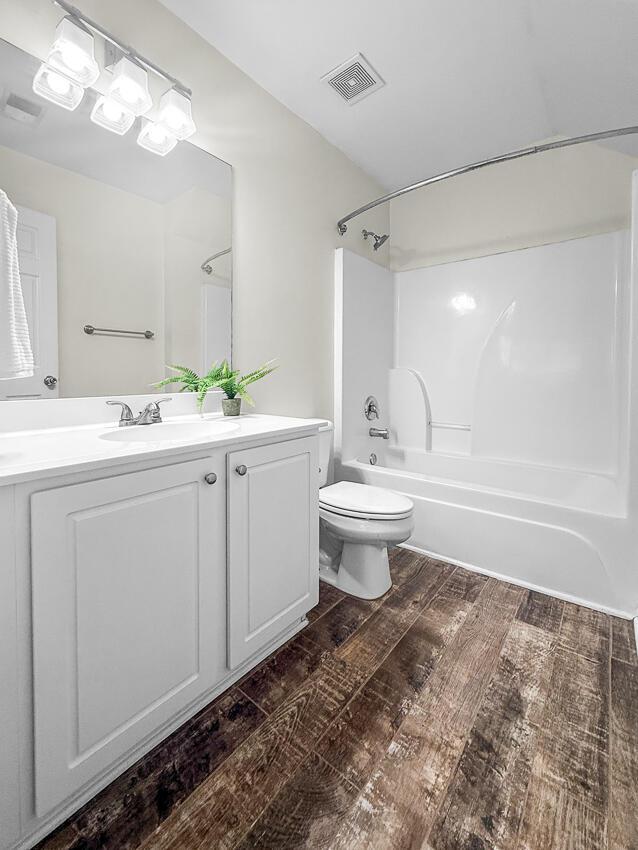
{"x": 379, "y": 432}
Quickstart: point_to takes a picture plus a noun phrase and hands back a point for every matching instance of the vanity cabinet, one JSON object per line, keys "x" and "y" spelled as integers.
{"x": 273, "y": 527}
{"x": 129, "y": 613}
{"x": 134, "y": 593}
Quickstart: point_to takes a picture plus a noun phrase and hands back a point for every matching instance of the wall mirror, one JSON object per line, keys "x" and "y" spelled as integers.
{"x": 114, "y": 237}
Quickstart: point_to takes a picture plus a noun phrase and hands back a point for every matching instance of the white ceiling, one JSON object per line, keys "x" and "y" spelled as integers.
{"x": 466, "y": 79}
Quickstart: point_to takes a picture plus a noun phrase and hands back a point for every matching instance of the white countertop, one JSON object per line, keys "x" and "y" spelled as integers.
{"x": 32, "y": 455}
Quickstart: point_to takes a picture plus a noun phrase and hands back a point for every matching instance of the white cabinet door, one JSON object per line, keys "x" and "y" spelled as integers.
{"x": 129, "y": 598}
{"x": 273, "y": 528}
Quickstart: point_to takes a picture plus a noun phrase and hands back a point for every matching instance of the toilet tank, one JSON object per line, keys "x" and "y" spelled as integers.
{"x": 326, "y": 431}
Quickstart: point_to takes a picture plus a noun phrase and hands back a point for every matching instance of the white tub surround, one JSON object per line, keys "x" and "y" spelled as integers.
{"x": 144, "y": 570}
{"x": 509, "y": 386}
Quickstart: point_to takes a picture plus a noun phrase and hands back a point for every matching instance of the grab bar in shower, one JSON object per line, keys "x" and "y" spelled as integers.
{"x": 451, "y": 426}
{"x": 90, "y": 330}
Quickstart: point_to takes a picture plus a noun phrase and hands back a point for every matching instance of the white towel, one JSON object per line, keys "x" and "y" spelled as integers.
{"x": 16, "y": 355}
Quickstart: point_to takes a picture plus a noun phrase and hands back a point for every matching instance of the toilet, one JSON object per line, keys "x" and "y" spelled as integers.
{"x": 358, "y": 523}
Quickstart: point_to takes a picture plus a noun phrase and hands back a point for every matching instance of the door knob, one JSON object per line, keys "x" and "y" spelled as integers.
{"x": 241, "y": 469}
{"x": 210, "y": 478}
{"x": 50, "y": 381}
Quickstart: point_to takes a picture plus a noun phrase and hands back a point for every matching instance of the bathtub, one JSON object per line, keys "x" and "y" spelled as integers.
{"x": 557, "y": 531}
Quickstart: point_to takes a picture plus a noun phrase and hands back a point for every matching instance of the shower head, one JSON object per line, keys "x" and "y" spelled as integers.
{"x": 378, "y": 240}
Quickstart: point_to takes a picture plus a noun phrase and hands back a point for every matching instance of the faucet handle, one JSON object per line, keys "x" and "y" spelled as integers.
{"x": 126, "y": 414}
{"x": 371, "y": 408}
{"x": 153, "y": 409}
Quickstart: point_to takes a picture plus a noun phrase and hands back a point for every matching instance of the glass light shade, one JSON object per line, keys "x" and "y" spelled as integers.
{"x": 57, "y": 88}
{"x": 72, "y": 53}
{"x": 130, "y": 86}
{"x": 175, "y": 114}
{"x": 111, "y": 115}
{"x": 156, "y": 139}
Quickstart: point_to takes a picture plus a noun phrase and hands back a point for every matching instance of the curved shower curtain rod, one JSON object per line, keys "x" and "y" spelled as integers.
{"x": 342, "y": 224}
{"x": 206, "y": 265}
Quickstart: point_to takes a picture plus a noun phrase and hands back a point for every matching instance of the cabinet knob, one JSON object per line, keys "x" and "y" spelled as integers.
{"x": 241, "y": 469}
{"x": 210, "y": 478}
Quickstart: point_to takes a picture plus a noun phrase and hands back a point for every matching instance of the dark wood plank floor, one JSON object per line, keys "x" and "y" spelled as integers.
{"x": 456, "y": 712}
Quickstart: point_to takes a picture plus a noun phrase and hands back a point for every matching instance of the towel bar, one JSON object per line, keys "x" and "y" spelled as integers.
{"x": 452, "y": 426}
{"x": 90, "y": 329}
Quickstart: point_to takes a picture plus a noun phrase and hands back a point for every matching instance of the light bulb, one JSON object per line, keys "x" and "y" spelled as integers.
{"x": 130, "y": 86}
{"x": 156, "y": 134}
{"x": 173, "y": 118}
{"x": 73, "y": 53}
{"x": 57, "y": 88}
{"x": 129, "y": 91}
{"x": 73, "y": 57}
{"x": 175, "y": 114}
{"x": 58, "y": 83}
{"x": 112, "y": 110}
{"x": 156, "y": 139}
{"x": 112, "y": 116}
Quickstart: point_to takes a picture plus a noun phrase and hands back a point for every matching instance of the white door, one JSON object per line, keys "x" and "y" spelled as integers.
{"x": 37, "y": 257}
{"x": 129, "y": 614}
{"x": 273, "y": 542}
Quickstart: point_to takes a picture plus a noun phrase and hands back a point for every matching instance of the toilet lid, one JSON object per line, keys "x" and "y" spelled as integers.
{"x": 346, "y": 497}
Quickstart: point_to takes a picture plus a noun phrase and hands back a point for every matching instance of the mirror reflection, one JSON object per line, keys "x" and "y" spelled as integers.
{"x": 124, "y": 256}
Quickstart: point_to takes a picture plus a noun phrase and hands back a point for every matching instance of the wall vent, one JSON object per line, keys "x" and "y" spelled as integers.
{"x": 354, "y": 79}
{"x": 20, "y": 109}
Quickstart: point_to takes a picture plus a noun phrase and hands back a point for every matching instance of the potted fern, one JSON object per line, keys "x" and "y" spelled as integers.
{"x": 233, "y": 385}
{"x": 220, "y": 376}
{"x": 191, "y": 382}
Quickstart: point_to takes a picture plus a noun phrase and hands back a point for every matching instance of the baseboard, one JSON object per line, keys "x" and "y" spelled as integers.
{"x": 566, "y": 597}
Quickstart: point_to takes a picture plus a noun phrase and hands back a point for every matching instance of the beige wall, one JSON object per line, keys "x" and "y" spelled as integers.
{"x": 105, "y": 278}
{"x": 123, "y": 262}
{"x": 290, "y": 187}
{"x": 562, "y": 194}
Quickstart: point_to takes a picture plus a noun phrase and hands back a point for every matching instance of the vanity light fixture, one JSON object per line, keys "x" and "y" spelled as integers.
{"x": 57, "y": 88}
{"x": 155, "y": 138}
{"x": 72, "y": 53}
{"x": 175, "y": 114}
{"x": 130, "y": 86}
{"x": 111, "y": 115}
{"x": 71, "y": 67}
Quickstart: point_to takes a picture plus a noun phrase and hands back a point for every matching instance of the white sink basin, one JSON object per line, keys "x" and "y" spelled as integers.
{"x": 169, "y": 432}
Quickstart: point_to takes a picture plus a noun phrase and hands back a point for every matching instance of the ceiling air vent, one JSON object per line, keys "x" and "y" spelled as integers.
{"x": 20, "y": 109}
{"x": 353, "y": 80}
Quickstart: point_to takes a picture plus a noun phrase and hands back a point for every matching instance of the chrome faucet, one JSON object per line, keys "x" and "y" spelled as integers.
{"x": 371, "y": 408}
{"x": 379, "y": 432}
{"x": 149, "y": 416}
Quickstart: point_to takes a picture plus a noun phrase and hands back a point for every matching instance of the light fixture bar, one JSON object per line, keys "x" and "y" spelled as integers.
{"x": 129, "y": 51}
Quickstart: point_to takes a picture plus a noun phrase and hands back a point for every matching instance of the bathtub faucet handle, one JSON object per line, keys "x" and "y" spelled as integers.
{"x": 371, "y": 408}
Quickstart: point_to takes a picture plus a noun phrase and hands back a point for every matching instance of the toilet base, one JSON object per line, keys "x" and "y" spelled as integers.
{"x": 363, "y": 571}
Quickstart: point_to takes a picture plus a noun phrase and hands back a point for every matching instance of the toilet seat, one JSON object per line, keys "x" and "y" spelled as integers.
{"x": 363, "y": 501}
